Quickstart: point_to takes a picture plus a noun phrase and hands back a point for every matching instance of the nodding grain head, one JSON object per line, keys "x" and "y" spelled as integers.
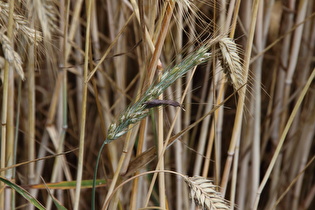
{"x": 10, "y": 55}
{"x": 204, "y": 194}
{"x": 21, "y": 25}
{"x": 231, "y": 62}
{"x": 157, "y": 102}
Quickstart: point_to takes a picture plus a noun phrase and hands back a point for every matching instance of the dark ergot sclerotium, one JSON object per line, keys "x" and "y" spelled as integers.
{"x": 157, "y": 102}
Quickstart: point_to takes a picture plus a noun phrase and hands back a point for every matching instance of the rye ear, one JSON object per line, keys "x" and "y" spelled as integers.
{"x": 204, "y": 193}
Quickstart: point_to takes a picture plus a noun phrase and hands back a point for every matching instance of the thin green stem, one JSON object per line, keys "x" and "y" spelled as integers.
{"x": 95, "y": 175}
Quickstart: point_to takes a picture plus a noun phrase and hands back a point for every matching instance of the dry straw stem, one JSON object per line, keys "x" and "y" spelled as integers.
{"x": 21, "y": 25}
{"x": 294, "y": 181}
{"x": 47, "y": 16}
{"x": 83, "y": 111}
{"x": 10, "y": 55}
{"x": 39, "y": 9}
{"x": 292, "y": 62}
{"x": 36, "y": 160}
{"x": 283, "y": 137}
{"x": 74, "y": 25}
{"x": 31, "y": 128}
{"x": 160, "y": 40}
{"x": 289, "y": 32}
{"x": 162, "y": 187}
{"x": 90, "y": 75}
{"x": 5, "y": 118}
{"x": 240, "y": 106}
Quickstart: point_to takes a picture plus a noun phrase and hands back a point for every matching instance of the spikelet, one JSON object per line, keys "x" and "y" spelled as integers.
{"x": 21, "y": 25}
{"x": 47, "y": 16}
{"x": 231, "y": 62}
{"x": 204, "y": 193}
{"x": 10, "y": 55}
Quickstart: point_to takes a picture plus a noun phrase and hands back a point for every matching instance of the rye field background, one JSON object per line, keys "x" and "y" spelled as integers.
{"x": 157, "y": 104}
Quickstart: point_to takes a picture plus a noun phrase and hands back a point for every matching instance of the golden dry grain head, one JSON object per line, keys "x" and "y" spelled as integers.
{"x": 204, "y": 194}
{"x": 47, "y": 15}
{"x": 231, "y": 62}
{"x": 10, "y": 55}
{"x": 21, "y": 25}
